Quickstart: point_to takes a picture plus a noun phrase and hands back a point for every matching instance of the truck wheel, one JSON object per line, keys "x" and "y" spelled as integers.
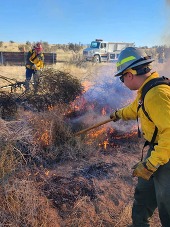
{"x": 96, "y": 59}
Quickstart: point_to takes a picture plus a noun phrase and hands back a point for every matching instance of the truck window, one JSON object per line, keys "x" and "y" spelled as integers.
{"x": 103, "y": 45}
{"x": 112, "y": 56}
{"x": 94, "y": 44}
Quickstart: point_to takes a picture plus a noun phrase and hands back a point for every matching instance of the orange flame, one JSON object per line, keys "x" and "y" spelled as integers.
{"x": 104, "y": 111}
{"x": 87, "y": 85}
{"x": 45, "y": 138}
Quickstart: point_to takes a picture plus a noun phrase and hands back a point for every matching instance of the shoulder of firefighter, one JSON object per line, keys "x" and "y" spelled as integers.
{"x": 35, "y": 61}
{"x": 157, "y": 105}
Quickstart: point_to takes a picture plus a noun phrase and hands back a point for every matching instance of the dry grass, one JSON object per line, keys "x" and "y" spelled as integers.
{"x": 52, "y": 138}
{"x": 8, "y": 46}
{"x": 22, "y": 204}
{"x": 25, "y": 144}
{"x": 16, "y": 72}
{"x": 9, "y": 156}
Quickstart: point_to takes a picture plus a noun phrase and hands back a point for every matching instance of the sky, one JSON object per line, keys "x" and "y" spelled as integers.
{"x": 145, "y": 22}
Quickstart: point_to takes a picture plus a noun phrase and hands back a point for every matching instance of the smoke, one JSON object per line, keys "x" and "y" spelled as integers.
{"x": 166, "y": 35}
{"x": 109, "y": 92}
{"x": 162, "y": 68}
{"x": 105, "y": 96}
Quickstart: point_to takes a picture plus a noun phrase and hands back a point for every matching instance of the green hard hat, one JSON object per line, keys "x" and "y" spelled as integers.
{"x": 131, "y": 57}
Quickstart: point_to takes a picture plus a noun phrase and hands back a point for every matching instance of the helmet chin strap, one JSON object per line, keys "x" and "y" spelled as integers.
{"x": 143, "y": 71}
{"x": 139, "y": 71}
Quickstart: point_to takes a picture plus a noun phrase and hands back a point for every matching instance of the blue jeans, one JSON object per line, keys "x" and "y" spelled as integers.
{"x": 150, "y": 195}
{"x": 29, "y": 74}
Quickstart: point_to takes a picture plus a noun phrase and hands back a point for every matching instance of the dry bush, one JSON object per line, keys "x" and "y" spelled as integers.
{"x": 53, "y": 139}
{"x": 9, "y": 160}
{"x": 8, "y": 106}
{"x": 60, "y": 86}
{"x": 84, "y": 215}
{"x": 78, "y": 60}
{"x": 11, "y": 157}
{"x": 22, "y": 204}
{"x": 54, "y": 87}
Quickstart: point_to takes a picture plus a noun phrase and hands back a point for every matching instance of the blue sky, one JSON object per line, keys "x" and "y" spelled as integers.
{"x": 145, "y": 22}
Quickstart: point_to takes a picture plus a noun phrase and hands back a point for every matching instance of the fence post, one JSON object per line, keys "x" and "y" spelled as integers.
{"x": 25, "y": 55}
{"x": 2, "y": 60}
{"x": 53, "y": 57}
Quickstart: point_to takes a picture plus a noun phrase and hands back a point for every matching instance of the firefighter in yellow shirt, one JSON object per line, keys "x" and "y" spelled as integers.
{"x": 34, "y": 65}
{"x": 153, "y": 172}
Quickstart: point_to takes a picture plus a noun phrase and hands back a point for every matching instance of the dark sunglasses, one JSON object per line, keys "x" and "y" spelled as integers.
{"x": 122, "y": 77}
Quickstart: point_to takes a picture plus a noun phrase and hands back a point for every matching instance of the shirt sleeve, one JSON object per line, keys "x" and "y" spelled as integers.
{"x": 129, "y": 112}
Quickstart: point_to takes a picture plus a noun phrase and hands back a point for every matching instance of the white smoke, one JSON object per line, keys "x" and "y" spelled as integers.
{"x": 109, "y": 90}
{"x": 106, "y": 95}
{"x": 166, "y": 34}
{"x": 162, "y": 68}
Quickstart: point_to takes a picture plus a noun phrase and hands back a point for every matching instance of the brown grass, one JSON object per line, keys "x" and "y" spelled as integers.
{"x": 8, "y": 46}
{"x": 23, "y": 205}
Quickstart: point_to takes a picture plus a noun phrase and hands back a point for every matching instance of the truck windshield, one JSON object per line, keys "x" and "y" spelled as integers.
{"x": 95, "y": 44}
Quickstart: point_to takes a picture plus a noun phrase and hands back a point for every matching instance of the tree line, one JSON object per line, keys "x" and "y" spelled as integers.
{"x": 159, "y": 51}
{"x": 49, "y": 48}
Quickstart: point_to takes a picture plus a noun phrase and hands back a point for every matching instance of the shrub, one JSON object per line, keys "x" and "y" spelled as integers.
{"x": 46, "y": 47}
{"x": 74, "y": 47}
{"x": 28, "y": 43}
{"x": 21, "y": 48}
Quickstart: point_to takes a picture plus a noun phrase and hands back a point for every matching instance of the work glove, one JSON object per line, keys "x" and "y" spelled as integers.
{"x": 40, "y": 58}
{"x": 114, "y": 116}
{"x": 144, "y": 170}
{"x": 34, "y": 67}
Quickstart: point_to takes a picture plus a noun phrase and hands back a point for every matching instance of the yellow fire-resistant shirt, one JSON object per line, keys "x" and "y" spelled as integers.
{"x": 35, "y": 59}
{"x": 157, "y": 105}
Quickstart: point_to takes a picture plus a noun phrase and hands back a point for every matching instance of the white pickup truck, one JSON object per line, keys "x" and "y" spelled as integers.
{"x": 102, "y": 51}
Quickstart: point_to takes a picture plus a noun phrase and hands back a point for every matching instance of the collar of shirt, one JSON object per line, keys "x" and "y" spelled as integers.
{"x": 152, "y": 76}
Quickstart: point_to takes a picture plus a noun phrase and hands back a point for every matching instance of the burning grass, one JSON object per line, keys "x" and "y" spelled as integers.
{"x": 53, "y": 138}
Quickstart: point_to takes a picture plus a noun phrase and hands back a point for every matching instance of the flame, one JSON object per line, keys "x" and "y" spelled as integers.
{"x": 87, "y": 85}
{"x": 98, "y": 132}
{"x": 50, "y": 107}
{"x": 78, "y": 104}
{"x": 42, "y": 136}
{"x": 105, "y": 143}
{"x": 104, "y": 111}
{"x": 47, "y": 172}
{"x": 45, "y": 138}
{"x": 111, "y": 137}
